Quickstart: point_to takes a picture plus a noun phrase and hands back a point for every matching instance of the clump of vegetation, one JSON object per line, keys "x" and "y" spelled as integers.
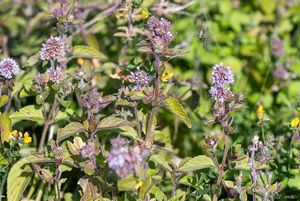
{"x": 149, "y": 100}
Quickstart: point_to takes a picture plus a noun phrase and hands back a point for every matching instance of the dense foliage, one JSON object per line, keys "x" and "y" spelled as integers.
{"x": 149, "y": 100}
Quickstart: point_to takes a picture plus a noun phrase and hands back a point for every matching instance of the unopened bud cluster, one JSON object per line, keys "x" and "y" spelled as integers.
{"x": 140, "y": 78}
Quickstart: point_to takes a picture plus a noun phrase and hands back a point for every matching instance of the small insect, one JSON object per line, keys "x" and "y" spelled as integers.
{"x": 203, "y": 36}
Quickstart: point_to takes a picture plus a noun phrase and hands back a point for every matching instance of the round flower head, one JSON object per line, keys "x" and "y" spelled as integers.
{"x": 60, "y": 12}
{"x": 277, "y": 47}
{"x": 40, "y": 79}
{"x": 64, "y": 1}
{"x": 54, "y": 48}
{"x": 118, "y": 142}
{"x": 55, "y": 75}
{"x": 219, "y": 93}
{"x": 9, "y": 68}
{"x": 160, "y": 29}
{"x": 140, "y": 78}
{"x": 88, "y": 151}
{"x": 221, "y": 75}
{"x": 92, "y": 100}
{"x": 119, "y": 159}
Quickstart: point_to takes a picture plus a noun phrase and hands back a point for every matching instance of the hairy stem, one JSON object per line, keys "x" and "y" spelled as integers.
{"x": 253, "y": 171}
{"x": 150, "y": 135}
{"x": 221, "y": 169}
{"x": 58, "y": 175}
{"x": 44, "y": 133}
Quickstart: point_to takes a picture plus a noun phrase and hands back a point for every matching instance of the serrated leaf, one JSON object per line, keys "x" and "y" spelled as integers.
{"x": 87, "y": 52}
{"x": 176, "y": 108}
{"x": 69, "y": 130}
{"x": 196, "y": 163}
{"x": 28, "y": 113}
{"x": 20, "y": 175}
{"x": 18, "y": 179}
{"x": 112, "y": 123}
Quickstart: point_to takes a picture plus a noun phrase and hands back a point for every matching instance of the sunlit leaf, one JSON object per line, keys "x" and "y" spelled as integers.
{"x": 176, "y": 108}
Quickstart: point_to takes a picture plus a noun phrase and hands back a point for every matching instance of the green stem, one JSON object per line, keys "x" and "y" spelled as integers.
{"x": 150, "y": 134}
{"x": 44, "y": 133}
{"x": 221, "y": 169}
{"x": 3, "y": 185}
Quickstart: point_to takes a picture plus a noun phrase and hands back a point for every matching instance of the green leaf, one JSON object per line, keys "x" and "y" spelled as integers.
{"x": 127, "y": 184}
{"x": 20, "y": 175}
{"x": 158, "y": 194}
{"x": 28, "y": 113}
{"x": 3, "y": 100}
{"x": 176, "y": 108}
{"x": 112, "y": 123}
{"x": 32, "y": 60}
{"x": 146, "y": 186}
{"x": 69, "y": 130}
{"x": 18, "y": 179}
{"x": 294, "y": 182}
{"x": 90, "y": 188}
{"x": 87, "y": 52}
{"x": 159, "y": 159}
{"x": 5, "y": 124}
{"x": 196, "y": 163}
{"x": 60, "y": 116}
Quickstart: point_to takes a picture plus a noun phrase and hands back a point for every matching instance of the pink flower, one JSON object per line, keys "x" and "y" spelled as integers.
{"x": 54, "y": 48}
{"x": 9, "y": 68}
{"x": 55, "y": 75}
{"x": 221, "y": 75}
{"x": 40, "y": 79}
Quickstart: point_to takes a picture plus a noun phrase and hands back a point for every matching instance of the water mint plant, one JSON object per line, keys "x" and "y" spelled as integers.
{"x": 149, "y": 100}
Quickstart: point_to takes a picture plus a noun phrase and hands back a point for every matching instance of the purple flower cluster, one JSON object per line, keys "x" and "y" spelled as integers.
{"x": 60, "y": 12}
{"x": 92, "y": 100}
{"x": 54, "y": 48}
{"x": 40, "y": 79}
{"x": 221, "y": 77}
{"x": 160, "y": 29}
{"x": 277, "y": 47}
{"x": 9, "y": 68}
{"x": 140, "y": 78}
{"x": 122, "y": 159}
{"x": 64, "y": 1}
{"x": 56, "y": 75}
{"x": 89, "y": 151}
{"x": 281, "y": 73}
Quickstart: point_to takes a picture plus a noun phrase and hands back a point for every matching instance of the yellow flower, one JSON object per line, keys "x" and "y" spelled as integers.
{"x": 27, "y": 138}
{"x": 80, "y": 61}
{"x": 11, "y": 134}
{"x": 259, "y": 112}
{"x": 145, "y": 14}
{"x": 166, "y": 76}
{"x": 139, "y": 185}
{"x": 295, "y": 122}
